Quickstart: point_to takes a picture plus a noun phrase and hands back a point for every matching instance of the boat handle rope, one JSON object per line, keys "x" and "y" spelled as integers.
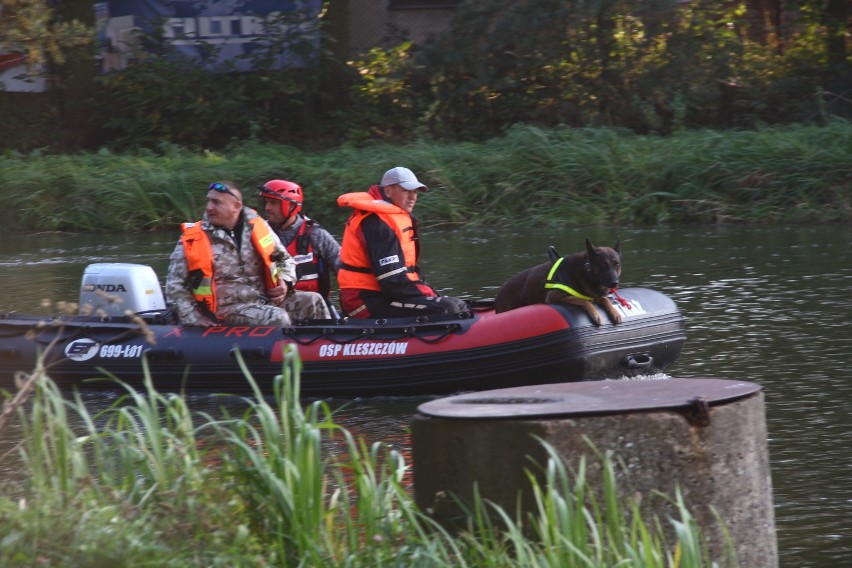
{"x": 80, "y": 331}
{"x": 33, "y": 329}
{"x": 406, "y": 333}
{"x": 13, "y": 334}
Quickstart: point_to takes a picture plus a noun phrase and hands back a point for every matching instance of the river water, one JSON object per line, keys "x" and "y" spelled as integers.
{"x": 769, "y": 305}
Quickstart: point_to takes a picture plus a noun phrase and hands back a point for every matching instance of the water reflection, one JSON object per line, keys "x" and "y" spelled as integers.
{"x": 49, "y": 266}
{"x": 763, "y": 304}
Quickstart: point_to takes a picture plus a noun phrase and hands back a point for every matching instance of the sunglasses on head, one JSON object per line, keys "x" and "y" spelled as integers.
{"x": 216, "y": 186}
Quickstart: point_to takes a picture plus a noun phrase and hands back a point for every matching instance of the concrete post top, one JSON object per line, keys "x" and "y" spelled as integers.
{"x": 593, "y": 397}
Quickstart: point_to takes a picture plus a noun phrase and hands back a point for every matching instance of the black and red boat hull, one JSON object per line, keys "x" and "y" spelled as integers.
{"x": 431, "y": 356}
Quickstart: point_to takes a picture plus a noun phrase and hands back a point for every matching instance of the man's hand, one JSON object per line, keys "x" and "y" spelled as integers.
{"x": 278, "y": 294}
{"x": 199, "y": 320}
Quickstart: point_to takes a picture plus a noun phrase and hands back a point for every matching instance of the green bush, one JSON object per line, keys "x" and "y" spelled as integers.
{"x": 166, "y": 97}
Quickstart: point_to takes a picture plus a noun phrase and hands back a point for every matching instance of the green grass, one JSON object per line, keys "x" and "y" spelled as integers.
{"x": 148, "y": 483}
{"x": 793, "y": 174}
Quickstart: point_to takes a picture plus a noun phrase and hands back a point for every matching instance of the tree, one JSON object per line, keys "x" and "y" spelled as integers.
{"x": 31, "y": 27}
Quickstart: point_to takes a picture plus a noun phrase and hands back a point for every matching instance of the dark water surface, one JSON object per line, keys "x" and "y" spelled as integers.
{"x": 770, "y": 305}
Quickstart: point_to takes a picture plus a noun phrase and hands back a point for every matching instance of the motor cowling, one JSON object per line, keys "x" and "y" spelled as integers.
{"x": 113, "y": 289}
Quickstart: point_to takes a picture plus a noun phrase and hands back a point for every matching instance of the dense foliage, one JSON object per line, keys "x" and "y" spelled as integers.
{"x": 649, "y": 67}
{"x": 646, "y": 66}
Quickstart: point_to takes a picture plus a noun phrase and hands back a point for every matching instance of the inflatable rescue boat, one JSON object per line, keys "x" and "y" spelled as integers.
{"x": 475, "y": 350}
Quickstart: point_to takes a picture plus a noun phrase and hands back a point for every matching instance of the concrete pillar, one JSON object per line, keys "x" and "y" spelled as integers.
{"x": 706, "y": 436}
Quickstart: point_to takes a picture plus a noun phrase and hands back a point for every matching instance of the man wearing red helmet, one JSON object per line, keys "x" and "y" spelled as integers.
{"x": 378, "y": 275}
{"x": 316, "y": 252}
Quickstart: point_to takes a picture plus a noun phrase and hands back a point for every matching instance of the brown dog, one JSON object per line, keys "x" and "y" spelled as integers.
{"x": 580, "y": 279}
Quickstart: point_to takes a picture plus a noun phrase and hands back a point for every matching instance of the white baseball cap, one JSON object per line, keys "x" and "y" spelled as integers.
{"x": 403, "y": 177}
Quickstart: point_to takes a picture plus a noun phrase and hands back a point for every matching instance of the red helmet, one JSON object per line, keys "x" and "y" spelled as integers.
{"x": 288, "y": 193}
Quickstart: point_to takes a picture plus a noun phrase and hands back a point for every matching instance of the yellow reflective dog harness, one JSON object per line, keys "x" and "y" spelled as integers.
{"x": 552, "y": 284}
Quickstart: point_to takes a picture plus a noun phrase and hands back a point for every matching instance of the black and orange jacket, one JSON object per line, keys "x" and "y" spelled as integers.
{"x": 380, "y": 248}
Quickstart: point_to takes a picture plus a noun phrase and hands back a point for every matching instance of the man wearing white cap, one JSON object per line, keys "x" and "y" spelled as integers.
{"x": 378, "y": 275}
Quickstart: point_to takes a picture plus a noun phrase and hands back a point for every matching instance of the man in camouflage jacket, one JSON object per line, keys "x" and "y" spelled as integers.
{"x": 242, "y": 296}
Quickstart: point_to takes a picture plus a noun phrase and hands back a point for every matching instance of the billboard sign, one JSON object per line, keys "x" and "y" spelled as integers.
{"x": 211, "y": 31}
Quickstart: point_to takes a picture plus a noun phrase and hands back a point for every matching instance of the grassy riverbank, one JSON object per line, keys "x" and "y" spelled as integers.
{"x": 149, "y": 483}
{"x": 798, "y": 174}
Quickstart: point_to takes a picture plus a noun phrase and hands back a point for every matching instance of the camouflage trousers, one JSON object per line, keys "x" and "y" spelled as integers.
{"x": 306, "y": 305}
{"x": 298, "y": 306}
{"x": 255, "y": 314}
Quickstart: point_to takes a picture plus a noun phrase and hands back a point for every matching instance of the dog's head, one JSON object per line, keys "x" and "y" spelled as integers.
{"x": 603, "y": 264}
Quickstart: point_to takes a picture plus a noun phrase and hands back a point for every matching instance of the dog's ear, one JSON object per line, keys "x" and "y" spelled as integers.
{"x": 590, "y": 254}
{"x": 590, "y": 248}
{"x": 617, "y": 247}
{"x": 552, "y": 254}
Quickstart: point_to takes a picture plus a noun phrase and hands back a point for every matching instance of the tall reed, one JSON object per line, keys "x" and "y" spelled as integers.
{"x": 529, "y": 175}
{"x": 147, "y": 482}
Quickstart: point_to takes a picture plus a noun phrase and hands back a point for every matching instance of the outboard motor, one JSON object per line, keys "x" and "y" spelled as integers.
{"x": 113, "y": 288}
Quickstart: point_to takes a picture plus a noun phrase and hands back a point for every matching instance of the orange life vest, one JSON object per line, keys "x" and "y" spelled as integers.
{"x": 355, "y": 269}
{"x": 199, "y": 257}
